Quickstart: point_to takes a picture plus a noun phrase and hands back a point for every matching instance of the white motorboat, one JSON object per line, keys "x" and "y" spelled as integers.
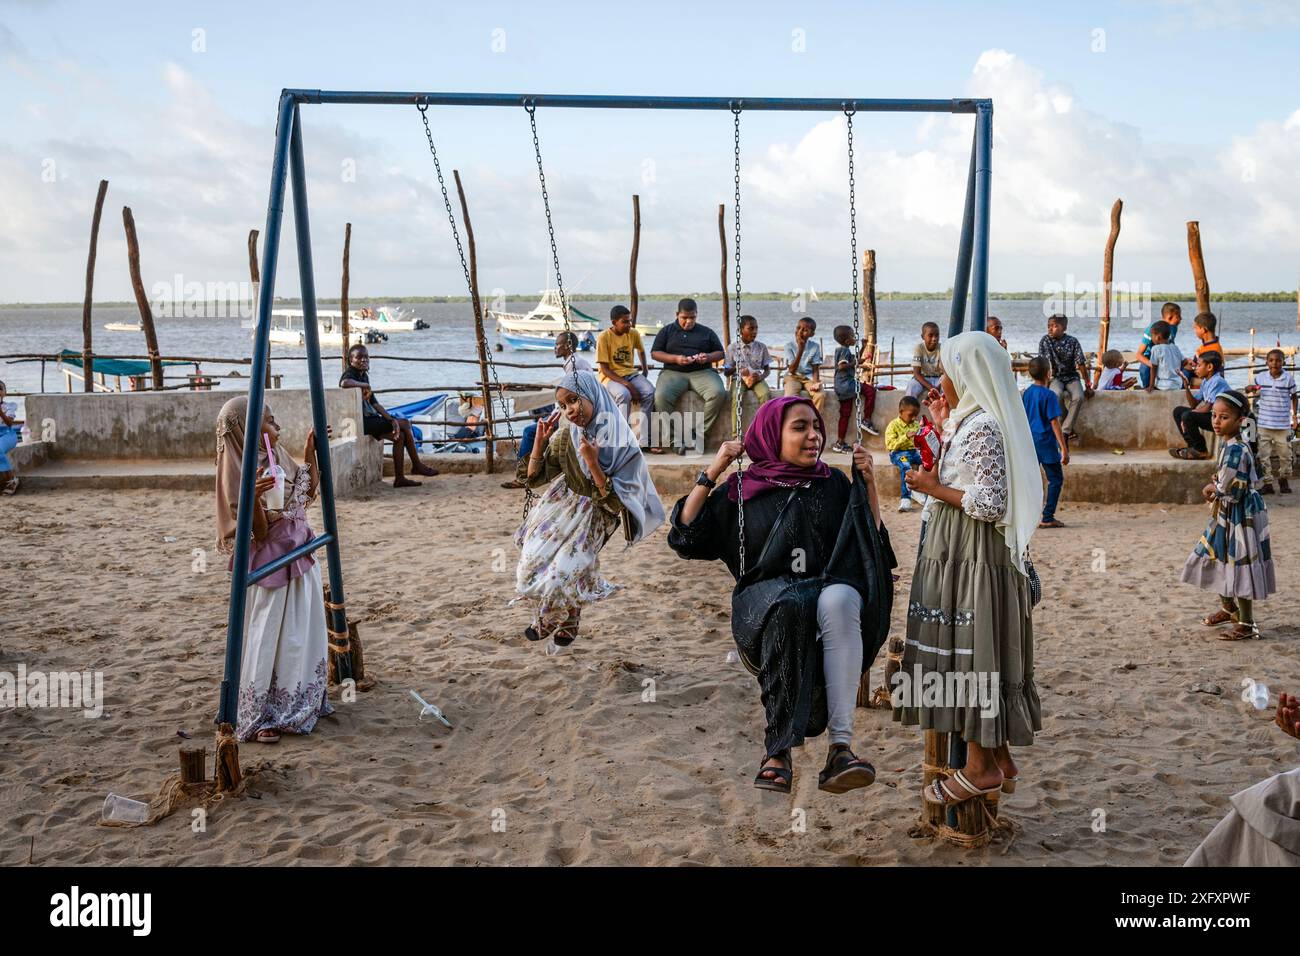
{"x": 535, "y": 331}
{"x": 386, "y": 319}
{"x": 124, "y": 326}
{"x": 287, "y": 329}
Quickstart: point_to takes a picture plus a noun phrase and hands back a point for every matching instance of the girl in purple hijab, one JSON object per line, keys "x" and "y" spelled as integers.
{"x": 813, "y": 591}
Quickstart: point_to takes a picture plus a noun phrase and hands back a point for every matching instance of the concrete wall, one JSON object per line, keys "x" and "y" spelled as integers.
{"x": 181, "y": 426}
{"x": 172, "y": 424}
{"x": 1131, "y": 419}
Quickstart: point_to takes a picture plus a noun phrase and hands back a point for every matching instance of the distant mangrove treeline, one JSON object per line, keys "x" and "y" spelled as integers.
{"x": 1287, "y": 296}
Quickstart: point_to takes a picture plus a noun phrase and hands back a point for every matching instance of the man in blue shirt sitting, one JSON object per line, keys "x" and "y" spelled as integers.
{"x": 1190, "y": 420}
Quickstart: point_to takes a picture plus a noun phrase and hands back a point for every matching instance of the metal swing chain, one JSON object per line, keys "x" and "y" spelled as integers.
{"x": 849, "y": 110}
{"x": 740, "y": 468}
{"x": 423, "y": 107}
{"x": 531, "y": 108}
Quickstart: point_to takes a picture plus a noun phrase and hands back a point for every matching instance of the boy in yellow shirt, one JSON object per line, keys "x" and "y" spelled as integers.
{"x": 900, "y": 442}
{"x": 616, "y": 348}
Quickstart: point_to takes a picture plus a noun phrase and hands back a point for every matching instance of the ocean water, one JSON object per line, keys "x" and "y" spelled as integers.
{"x": 451, "y": 335}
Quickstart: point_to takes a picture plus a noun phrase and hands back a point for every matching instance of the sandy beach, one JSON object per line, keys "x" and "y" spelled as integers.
{"x": 563, "y": 754}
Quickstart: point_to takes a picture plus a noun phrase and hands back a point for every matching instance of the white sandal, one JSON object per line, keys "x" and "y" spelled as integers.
{"x": 940, "y": 794}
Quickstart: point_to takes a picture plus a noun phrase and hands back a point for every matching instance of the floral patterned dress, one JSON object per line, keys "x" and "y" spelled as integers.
{"x": 1234, "y": 557}
{"x": 561, "y": 539}
{"x": 283, "y": 674}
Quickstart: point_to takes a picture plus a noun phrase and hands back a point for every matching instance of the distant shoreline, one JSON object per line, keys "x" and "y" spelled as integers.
{"x": 709, "y": 297}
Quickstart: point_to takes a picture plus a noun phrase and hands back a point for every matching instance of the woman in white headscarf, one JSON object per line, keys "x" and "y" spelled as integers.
{"x": 597, "y": 480}
{"x": 968, "y": 665}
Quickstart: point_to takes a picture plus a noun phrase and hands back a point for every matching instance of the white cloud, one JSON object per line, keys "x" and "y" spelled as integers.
{"x": 196, "y": 176}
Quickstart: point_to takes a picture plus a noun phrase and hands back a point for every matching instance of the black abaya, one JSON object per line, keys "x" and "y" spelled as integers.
{"x": 796, "y": 543}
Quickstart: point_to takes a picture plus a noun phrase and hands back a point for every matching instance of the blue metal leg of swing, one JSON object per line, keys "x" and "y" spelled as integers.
{"x": 983, "y": 188}
{"x": 287, "y": 153}
{"x": 336, "y": 617}
{"x": 961, "y": 281}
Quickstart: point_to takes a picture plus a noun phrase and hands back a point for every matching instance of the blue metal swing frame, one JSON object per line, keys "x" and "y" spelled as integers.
{"x": 972, "y": 273}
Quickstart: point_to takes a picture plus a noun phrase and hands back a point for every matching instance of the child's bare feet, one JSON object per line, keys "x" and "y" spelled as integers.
{"x": 405, "y": 483}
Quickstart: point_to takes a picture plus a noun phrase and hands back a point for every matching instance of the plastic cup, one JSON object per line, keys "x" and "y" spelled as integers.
{"x": 273, "y": 498}
{"x": 1259, "y": 696}
{"x": 119, "y": 809}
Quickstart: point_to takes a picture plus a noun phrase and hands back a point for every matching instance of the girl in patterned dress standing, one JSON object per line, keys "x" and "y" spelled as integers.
{"x": 1233, "y": 558}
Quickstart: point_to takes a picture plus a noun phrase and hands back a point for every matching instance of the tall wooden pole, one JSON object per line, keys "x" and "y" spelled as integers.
{"x": 142, "y": 300}
{"x": 636, "y": 248}
{"x": 1198, "y": 266}
{"x": 726, "y": 299}
{"x": 869, "y": 320}
{"x": 479, "y": 335}
{"x": 87, "y": 355}
{"x": 1107, "y": 277}
{"x": 343, "y": 301}
{"x": 255, "y": 275}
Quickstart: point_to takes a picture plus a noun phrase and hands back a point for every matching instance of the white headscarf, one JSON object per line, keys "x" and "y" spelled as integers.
{"x": 619, "y": 452}
{"x": 980, "y": 370}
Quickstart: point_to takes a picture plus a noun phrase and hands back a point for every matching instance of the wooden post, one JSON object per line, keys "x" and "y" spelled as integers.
{"x": 347, "y": 246}
{"x": 869, "y": 321}
{"x": 194, "y": 769}
{"x": 87, "y": 356}
{"x": 932, "y": 768}
{"x": 726, "y": 299}
{"x": 636, "y": 248}
{"x": 479, "y": 336}
{"x": 142, "y": 300}
{"x": 228, "y": 775}
{"x": 1198, "y": 266}
{"x": 1107, "y": 276}
{"x": 256, "y": 276}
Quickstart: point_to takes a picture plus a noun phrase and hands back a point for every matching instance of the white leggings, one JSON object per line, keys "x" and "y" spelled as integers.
{"x": 839, "y": 611}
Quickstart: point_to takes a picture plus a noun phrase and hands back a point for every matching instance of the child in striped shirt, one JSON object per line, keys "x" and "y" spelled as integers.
{"x": 1275, "y": 414}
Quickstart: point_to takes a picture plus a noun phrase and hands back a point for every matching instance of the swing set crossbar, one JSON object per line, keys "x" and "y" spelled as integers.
{"x": 582, "y": 101}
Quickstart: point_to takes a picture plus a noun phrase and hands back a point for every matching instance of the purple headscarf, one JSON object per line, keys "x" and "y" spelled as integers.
{"x": 763, "y": 446}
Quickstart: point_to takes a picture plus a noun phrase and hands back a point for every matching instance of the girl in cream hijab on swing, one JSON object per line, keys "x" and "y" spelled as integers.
{"x": 969, "y": 625}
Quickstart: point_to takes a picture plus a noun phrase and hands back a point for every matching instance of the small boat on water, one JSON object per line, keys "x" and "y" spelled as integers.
{"x": 124, "y": 326}
{"x": 535, "y": 331}
{"x": 287, "y": 329}
{"x": 386, "y": 319}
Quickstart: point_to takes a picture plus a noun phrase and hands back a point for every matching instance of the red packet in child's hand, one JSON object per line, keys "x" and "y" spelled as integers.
{"x": 928, "y": 444}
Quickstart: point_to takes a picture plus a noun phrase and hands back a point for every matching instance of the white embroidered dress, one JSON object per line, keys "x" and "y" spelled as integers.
{"x": 283, "y": 676}
{"x": 974, "y": 461}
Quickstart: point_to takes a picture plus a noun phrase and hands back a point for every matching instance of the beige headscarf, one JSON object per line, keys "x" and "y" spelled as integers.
{"x": 980, "y": 370}
{"x": 230, "y": 459}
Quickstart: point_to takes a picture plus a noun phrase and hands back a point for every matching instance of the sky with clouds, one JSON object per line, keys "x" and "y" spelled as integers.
{"x": 1186, "y": 109}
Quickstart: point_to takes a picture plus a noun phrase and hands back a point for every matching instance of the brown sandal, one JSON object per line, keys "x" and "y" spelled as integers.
{"x": 1242, "y": 632}
{"x": 1219, "y": 617}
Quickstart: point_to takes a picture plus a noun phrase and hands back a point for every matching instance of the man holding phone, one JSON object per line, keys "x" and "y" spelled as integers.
{"x": 688, "y": 352}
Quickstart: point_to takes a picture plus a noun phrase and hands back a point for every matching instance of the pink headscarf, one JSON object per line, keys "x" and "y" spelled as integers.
{"x": 763, "y": 446}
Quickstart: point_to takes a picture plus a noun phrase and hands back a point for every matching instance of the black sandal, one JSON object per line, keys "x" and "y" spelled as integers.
{"x": 844, "y": 771}
{"x": 531, "y": 633}
{"x": 784, "y": 775}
